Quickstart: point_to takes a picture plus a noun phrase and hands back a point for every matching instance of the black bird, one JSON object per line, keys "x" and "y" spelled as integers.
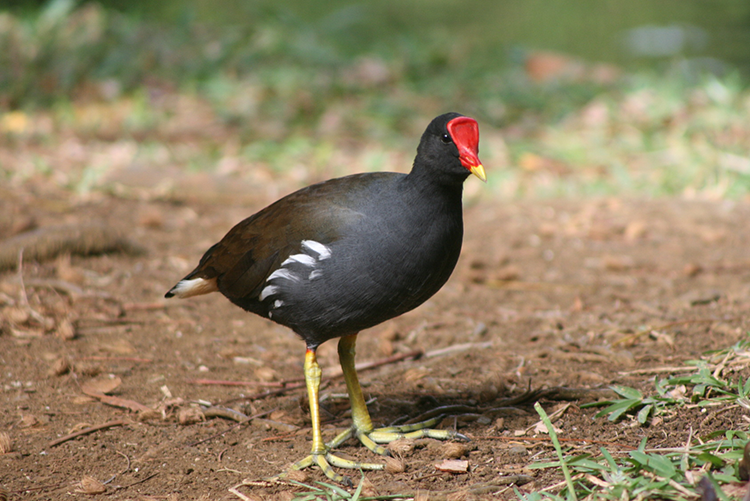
{"x": 346, "y": 254}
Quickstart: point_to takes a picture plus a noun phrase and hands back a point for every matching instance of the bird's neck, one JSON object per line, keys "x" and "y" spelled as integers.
{"x": 435, "y": 182}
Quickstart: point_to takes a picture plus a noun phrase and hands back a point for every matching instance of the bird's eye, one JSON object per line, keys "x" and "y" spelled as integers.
{"x": 446, "y": 139}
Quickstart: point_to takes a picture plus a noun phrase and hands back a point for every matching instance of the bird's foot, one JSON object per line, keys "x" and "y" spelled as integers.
{"x": 326, "y": 461}
{"x": 372, "y": 438}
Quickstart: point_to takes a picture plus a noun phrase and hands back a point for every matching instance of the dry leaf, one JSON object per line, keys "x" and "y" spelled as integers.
{"x": 6, "y": 444}
{"x": 453, "y": 466}
{"x": 118, "y": 347}
{"x": 65, "y": 330}
{"x": 88, "y": 368}
{"x": 59, "y": 367}
{"x": 16, "y": 315}
{"x": 402, "y": 446}
{"x": 147, "y": 415}
{"x": 101, "y": 386}
{"x": 541, "y": 428}
{"x": 90, "y": 485}
{"x": 394, "y": 465}
{"x": 296, "y": 475}
{"x": 454, "y": 450}
{"x": 98, "y": 387}
{"x": 368, "y": 488}
{"x": 26, "y": 333}
{"x": 462, "y": 495}
{"x": 124, "y": 403}
{"x": 28, "y": 421}
{"x": 79, "y": 427}
{"x": 265, "y": 374}
{"x": 415, "y": 374}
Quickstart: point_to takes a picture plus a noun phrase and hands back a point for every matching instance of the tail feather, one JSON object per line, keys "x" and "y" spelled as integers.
{"x": 192, "y": 287}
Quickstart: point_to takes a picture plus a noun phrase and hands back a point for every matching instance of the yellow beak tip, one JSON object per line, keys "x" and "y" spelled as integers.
{"x": 478, "y": 171}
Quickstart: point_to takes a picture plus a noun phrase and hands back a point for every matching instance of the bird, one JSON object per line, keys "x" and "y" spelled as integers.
{"x": 347, "y": 254}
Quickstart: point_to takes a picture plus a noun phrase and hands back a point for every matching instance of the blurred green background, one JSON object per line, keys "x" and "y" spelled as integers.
{"x": 581, "y": 97}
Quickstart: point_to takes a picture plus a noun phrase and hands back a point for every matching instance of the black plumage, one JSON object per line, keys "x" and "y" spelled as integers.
{"x": 347, "y": 254}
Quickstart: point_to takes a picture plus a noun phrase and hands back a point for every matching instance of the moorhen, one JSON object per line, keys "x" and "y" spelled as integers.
{"x": 346, "y": 254}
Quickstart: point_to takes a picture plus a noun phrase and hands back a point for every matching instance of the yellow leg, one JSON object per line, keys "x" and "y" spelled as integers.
{"x": 362, "y": 424}
{"x": 361, "y": 428}
{"x": 319, "y": 454}
{"x": 312, "y": 381}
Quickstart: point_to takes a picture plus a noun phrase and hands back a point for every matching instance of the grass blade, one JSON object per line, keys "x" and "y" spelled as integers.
{"x": 558, "y": 450}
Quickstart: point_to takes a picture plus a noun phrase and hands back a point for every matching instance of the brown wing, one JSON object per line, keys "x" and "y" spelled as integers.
{"x": 250, "y": 251}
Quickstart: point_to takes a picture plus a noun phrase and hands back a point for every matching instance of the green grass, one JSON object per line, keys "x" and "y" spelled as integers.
{"x": 288, "y": 98}
{"x": 661, "y": 473}
{"x": 704, "y": 387}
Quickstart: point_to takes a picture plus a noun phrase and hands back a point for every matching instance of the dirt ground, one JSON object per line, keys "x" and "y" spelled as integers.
{"x": 547, "y": 294}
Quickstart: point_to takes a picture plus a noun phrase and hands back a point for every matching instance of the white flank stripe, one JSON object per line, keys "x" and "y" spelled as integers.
{"x": 300, "y": 258}
{"x": 269, "y": 290}
{"x": 282, "y": 273}
{"x": 315, "y": 274}
{"x": 321, "y": 250}
{"x": 278, "y": 303}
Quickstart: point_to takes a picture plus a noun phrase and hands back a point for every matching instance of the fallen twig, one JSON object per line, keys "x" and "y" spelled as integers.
{"x": 364, "y": 366}
{"x": 125, "y": 403}
{"x": 116, "y": 359}
{"x": 221, "y": 382}
{"x": 234, "y": 426}
{"x": 658, "y": 370}
{"x": 333, "y": 373}
{"x": 264, "y": 394}
{"x": 120, "y": 487}
{"x": 224, "y": 412}
{"x": 456, "y": 348}
{"x": 552, "y": 417}
{"x": 86, "y": 431}
{"x": 279, "y": 437}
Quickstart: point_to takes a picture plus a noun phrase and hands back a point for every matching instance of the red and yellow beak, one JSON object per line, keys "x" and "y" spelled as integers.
{"x": 478, "y": 171}
{"x": 465, "y": 134}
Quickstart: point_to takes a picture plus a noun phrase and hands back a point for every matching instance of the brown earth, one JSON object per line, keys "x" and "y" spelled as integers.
{"x": 548, "y": 294}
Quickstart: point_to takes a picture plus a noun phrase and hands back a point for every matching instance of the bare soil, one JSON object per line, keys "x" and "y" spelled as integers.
{"x": 547, "y": 295}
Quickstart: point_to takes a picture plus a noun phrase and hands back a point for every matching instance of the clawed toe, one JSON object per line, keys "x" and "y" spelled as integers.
{"x": 327, "y": 461}
{"x": 415, "y": 431}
